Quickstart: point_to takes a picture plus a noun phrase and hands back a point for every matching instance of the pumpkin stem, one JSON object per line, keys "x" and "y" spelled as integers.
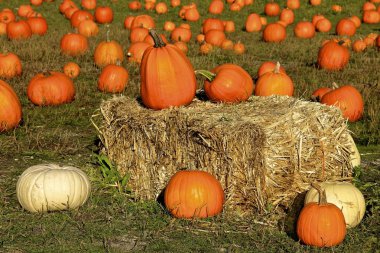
{"x": 334, "y": 85}
{"x": 322, "y": 194}
{"x": 209, "y": 75}
{"x": 158, "y": 42}
{"x": 277, "y": 68}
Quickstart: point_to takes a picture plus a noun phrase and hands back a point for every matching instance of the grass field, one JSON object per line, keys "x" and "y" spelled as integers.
{"x": 111, "y": 221}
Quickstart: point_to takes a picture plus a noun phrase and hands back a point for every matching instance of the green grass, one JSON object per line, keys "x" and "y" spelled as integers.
{"x": 111, "y": 221}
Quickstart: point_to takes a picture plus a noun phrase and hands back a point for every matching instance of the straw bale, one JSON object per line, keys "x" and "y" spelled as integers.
{"x": 264, "y": 151}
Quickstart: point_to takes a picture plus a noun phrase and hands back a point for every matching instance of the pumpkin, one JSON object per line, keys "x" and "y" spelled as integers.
{"x": 79, "y": 16}
{"x": 161, "y": 8}
{"x": 136, "y": 51}
{"x": 36, "y": 2}
{"x": 345, "y": 196}
{"x": 113, "y": 78}
{"x": 71, "y": 69}
{"x": 268, "y": 66}
{"x": 138, "y": 34}
{"x": 143, "y": 21}
{"x": 321, "y": 223}
{"x": 293, "y": 4}
{"x": 323, "y": 25}
{"x": 134, "y": 5}
{"x": 88, "y": 4}
{"x": 175, "y": 3}
{"x": 287, "y": 15}
{"x": 227, "y": 83}
{"x": 24, "y": 9}
{"x": 169, "y": 26}
{"x": 74, "y": 44}
{"x": 371, "y": 17}
{"x": 10, "y": 107}
{"x": 18, "y": 30}
{"x": 193, "y": 194}
{"x": 315, "y": 2}
{"x": 239, "y": 48}
{"x": 70, "y": 11}
{"x": 50, "y": 187}
{"x": 274, "y": 33}
{"x": 227, "y": 45}
{"x": 88, "y": 28}
{"x": 304, "y": 30}
{"x": 272, "y": 9}
{"x": 3, "y": 29}
{"x": 212, "y": 24}
{"x": 356, "y": 21}
{"x": 216, "y": 7}
{"x": 128, "y": 22}
{"x": 345, "y": 27}
{"x": 215, "y": 37}
{"x": 253, "y": 23}
{"x": 316, "y": 18}
{"x": 181, "y": 45}
{"x": 205, "y": 48}
{"x": 167, "y": 76}
{"x": 367, "y": 6}
{"x": 229, "y": 26}
{"x": 108, "y": 52}
{"x": 348, "y": 99}
{"x": 359, "y": 46}
{"x": 274, "y": 83}
{"x": 103, "y": 15}
{"x": 7, "y": 16}
{"x": 181, "y": 34}
{"x": 53, "y": 88}
{"x": 38, "y": 25}
{"x": 336, "y": 8}
{"x": 10, "y": 65}
{"x": 333, "y": 56}
{"x": 319, "y": 93}
{"x": 65, "y": 5}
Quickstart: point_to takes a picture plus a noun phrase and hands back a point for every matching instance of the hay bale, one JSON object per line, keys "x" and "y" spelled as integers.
{"x": 264, "y": 151}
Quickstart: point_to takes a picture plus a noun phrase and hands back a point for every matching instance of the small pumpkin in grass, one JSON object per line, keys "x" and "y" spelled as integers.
{"x": 253, "y": 23}
{"x": 103, "y": 14}
{"x": 227, "y": 45}
{"x": 169, "y": 26}
{"x": 193, "y": 194}
{"x": 136, "y": 51}
{"x": 274, "y": 33}
{"x": 138, "y": 34}
{"x": 161, "y": 8}
{"x": 333, "y": 56}
{"x": 88, "y": 28}
{"x": 336, "y": 8}
{"x": 18, "y": 30}
{"x": 348, "y": 99}
{"x": 88, "y": 4}
{"x": 287, "y": 15}
{"x": 7, "y": 16}
{"x": 181, "y": 45}
{"x": 71, "y": 69}
{"x": 181, "y": 34}
{"x": 10, "y": 107}
{"x": 10, "y": 65}
{"x": 324, "y": 25}
{"x": 134, "y": 5}
{"x": 108, "y": 52}
{"x": 359, "y": 46}
{"x": 53, "y": 88}
{"x": 215, "y": 37}
{"x": 293, "y": 4}
{"x": 205, "y": 48}
{"x": 371, "y": 17}
{"x": 216, "y": 7}
{"x": 227, "y": 83}
{"x": 356, "y": 21}
{"x": 269, "y": 66}
{"x": 229, "y": 26}
{"x": 143, "y": 21}
{"x": 50, "y": 187}
{"x": 345, "y": 27}
{"x": 24, "y": 9}
{"x": 304, "y": 30}
{"x": 113, "y": 79}
{"x": 274, "y": 83}
{"x": 272, "y": 9}
{"x": 319, "y": 93}
{"x": 38, "y": 25}
{"x": 128, "y": 22}
{"x": 74, "y": 44}
{"x": 239, "y": 48}
{"x": 212, "y": 24}
{"x": 79, "y": 16}
{"x": 345, "y": 196}
{"x": 167, "y": 76}
{"x": 321, "y": 223}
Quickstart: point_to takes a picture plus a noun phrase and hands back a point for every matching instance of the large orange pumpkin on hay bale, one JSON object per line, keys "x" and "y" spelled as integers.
{"x": 167, "y": 76}
{"x": 193, "y": 194}
{"x": 10, "y": 107}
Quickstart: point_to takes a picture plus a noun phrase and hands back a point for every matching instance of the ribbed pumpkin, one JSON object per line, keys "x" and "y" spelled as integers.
{"x": 274, "y": 83}
{"x": 108, "y": 52}
{"x": 74, "y": 44}
{"x": 333, "y": 56}
{"x": 52, "y": 88}
{"x": 10, "y": 107}
{"x": 348, "y": 99}
{"x": 113, "y": 79}
{"x": 167, "y": 76}
{"x": 227, "y": 83}
{"x": 71, "y": 69}
{"x": 18, "y": 30}
{"x": 320, "y": 223}
{"x": 49, "y": 187}
{"x": 10, "y": 65}
{"x": 274, "y": 33}
{"x": 193, "y": 194}
{"x": 345, "y": 27}
{"x": 345, "y": 196}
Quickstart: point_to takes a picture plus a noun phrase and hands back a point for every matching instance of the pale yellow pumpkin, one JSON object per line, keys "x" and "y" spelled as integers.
{"x": 345, "y": 196}
{"x": 49, "y": 187}
{"x": 355, "y": 155}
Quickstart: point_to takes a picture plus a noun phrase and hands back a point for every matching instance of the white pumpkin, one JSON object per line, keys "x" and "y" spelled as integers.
{"x": 345, "y": 196}
{"x": 49, "y": 187}
{"x": 355, "y": 155}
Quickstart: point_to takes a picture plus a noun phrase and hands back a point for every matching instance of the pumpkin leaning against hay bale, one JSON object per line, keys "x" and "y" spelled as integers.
{"x": 50, "y": 187}
{"x": 194, "y": 194}
{"x": 345, "y": 196}
{"x": 321, "y": 223}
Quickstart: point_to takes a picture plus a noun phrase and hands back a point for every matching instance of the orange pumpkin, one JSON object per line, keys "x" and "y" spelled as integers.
{"x": 113, "y": 79}
{"x": 315, "y": 2}
{"x": 181, "y": 34}
{"x": 253, "y": 23}
{"x": 321, "y": 224}
{"x": 229, "y": 26}
{"x": 287, "y": 15}
{"x": 193, "y": 194}
{"x": 319, "y": 93}
{"x": 38, "y": 25}
{"x": 71, "y": 69}
{"x": 88, "y": 28}
{"x": 79, "y": 16}
{"x": 128, "y": 22}
{"x": 18, "y": 30}
{"x": 74, "y": 44}
{"x": 228, "y": 83}
{"x": 345, "y": 27}
{"x": 6, "y": 16}
{"x": 182, "y": 45}
{"x": 167, "y": 76}
{"x": 239, "y": 48}
{"x": 108, "y": 52}
{"x": 212, "y": 24}
{"x": 304, "y": 30}
{"x": 333, "y": 56}
{"x": 274, "y": 33}
{"x": 24, "y": 9}
{"x": 161, "y": 8}
{"x": 293, "y": 4}
{"x": 323, "y": 25}
{"x": 215, "y": 37}
{"x": 227, "y": 45}
{"x": 136, "y": 51}
{"x": 216, "y": 7}
{"x": 359, "y": 46}
{"x": 10, "y": 107}
{"x": 88, "y": 4}
{"x": 134, "y": 5}
{"x": 169, "y": 26}
{"x": 143, "y": 21}
{"x": 53, "y": 88}
{"x": 269, "y": 66}
{"x": 272, "y": 9}
{"x": 138, "y": 34}
{"x": 348, "y": 99}
{"x": 371, "y": 17}
{"x": 356, "y": 21}
{"x": 103, "y": 14}
{"x": 274, "y": 83}
{"x": 10, "y": 65}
